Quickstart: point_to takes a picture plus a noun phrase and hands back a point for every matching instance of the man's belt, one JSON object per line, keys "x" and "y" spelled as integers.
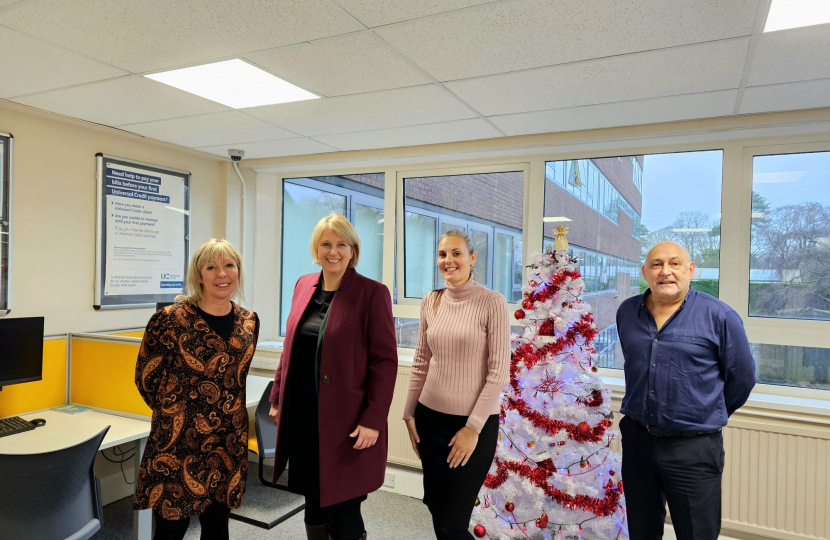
{"x": 660, "y": 432}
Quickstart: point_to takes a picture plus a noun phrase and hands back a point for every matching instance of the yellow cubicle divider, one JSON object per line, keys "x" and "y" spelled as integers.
{"x": 44, "y": 394}
{"x": 139, "y": 334}
{"x": 103, "y": 374}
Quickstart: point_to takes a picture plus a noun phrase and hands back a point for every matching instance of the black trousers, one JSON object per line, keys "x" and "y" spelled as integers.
{"x": 214, "y": 521}
{"x": 450, "y": 494}
{"x": 343, "y": 520}
{"x": 683, "y": 471}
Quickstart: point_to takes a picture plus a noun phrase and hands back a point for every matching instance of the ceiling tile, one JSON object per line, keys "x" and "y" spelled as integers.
{"x": 511, "y": 36}
{"x": 379, "y": 12}
{"x": 286, "y": 147}
{"x": 145, "y": 35}
{"x": 350, "y": 64}
{"x": 31, "y": 65}
{"x": 364, "y": 112}
{"x": 460, "y": 130}
{"x": 125, "y": 100}
{"x": 793, "y": 55}
{"x": 682, "y": 70}
{"x": 629, "y": 113}
{"x": 786, "y": 97}
{"x": 210, "y": 129}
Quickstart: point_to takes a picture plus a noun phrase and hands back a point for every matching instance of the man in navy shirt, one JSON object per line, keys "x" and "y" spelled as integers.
{"x": 688, "y": 366}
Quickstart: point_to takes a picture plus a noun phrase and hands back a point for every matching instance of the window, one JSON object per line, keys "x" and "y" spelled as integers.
{"x": 406, "y": 332}
{"x": 639, "y": 201}
{"x": 789, "y": 271}
{"x": 5, "y": 219}
{"x": 806, "y": 367}
{"x": 487, "y": 206}
{"x": 306, "y": 201}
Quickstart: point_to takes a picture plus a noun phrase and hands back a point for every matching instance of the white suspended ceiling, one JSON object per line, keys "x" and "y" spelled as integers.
{"x": 408, "y": 72}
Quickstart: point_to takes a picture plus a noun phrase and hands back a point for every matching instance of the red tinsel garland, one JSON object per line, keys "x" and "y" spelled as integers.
{"x": 553, "y": 287}
{"x": 529, "y": 356}
{"x": 538, "y": 476}
{"x": 540, "y": 421}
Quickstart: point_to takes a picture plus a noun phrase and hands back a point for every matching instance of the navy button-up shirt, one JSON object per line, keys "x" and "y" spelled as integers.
{"x": 692, "y": 373}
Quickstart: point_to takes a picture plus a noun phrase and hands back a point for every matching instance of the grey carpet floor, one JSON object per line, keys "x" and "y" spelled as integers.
{"x": 387, "y": 516}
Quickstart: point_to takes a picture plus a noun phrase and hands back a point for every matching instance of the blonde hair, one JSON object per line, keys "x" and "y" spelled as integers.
{"x": 344, "y": 229}
{"x": 457, "y": 233}
{"x": 207, "y": 253}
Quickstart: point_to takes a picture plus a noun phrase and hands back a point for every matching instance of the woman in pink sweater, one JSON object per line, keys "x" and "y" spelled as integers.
{"x": 461, "y": 365}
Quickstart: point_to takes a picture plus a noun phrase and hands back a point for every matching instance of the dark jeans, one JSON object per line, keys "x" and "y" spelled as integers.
{"x": 344, "y": 520}
{"x": 214, "y": 521}
{"x": 683, "y": 471}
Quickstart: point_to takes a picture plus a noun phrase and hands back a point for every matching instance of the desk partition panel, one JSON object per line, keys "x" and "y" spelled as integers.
{"x": 103, "y": 373}
{"x": 139, "y": 334}
{"x": 43, "y": 394}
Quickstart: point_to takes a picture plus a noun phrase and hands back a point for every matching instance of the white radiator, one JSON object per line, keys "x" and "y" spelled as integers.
{"x": 400, "y": 449}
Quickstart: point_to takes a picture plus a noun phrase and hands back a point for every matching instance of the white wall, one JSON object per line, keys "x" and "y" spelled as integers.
{"x": 53, "y": 236}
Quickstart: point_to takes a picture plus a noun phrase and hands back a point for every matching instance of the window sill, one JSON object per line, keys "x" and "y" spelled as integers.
{"x": 269, "y": 346}
{"x": 761, "y": 404}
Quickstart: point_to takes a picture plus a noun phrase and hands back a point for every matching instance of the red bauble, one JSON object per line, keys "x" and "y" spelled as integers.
{"x": 538, "y": 523}
{"x": 543, "y": 521}
{"x": 594, "y": 369}
{"x": 527, "y": 304}
{"x": 612, "y": 472}
{"x": 584, "y": 429}
{"x": 519, "y": 314}
{"x": 479, "y": 531}
{"x": 509, "y": 507}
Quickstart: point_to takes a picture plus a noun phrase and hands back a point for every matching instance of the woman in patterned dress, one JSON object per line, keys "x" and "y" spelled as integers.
{"x": 191, "y": 371}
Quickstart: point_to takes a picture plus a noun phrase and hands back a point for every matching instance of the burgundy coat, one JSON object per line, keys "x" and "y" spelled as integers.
{"x": 358, "y": 366}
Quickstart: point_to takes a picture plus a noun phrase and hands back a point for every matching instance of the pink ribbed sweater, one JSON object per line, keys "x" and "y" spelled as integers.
{"x": 462, "y": 358}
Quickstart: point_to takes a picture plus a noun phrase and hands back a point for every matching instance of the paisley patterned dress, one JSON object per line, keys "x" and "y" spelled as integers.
{"x": 194, "y": 382}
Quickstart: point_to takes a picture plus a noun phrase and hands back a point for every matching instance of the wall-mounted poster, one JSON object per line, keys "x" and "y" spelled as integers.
{"x": 6, "y": 144}
{"x": 143, "y": 240}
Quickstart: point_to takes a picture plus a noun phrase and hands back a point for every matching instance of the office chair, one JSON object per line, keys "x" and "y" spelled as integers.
{"x": 51, "y": 496}
{"x": 264, "y": 445}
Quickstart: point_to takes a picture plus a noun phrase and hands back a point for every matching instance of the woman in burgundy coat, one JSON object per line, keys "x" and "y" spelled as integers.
{"x": 334, "y": 385}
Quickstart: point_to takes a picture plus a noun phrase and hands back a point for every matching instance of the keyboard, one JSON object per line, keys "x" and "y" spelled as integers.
{"x": 14, "y": 424}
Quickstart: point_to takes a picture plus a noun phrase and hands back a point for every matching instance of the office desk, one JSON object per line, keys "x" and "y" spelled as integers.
{"x": 62, "y": 430}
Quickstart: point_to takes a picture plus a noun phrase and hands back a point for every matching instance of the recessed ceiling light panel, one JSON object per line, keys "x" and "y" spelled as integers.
{"x": 784, "y": 14}
{"x": 233, "y": 83}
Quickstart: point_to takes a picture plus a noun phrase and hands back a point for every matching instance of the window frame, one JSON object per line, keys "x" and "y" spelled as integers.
{"x": 406, "y": 305}
{"x": 769, "y": 330}
{"x": 739, "y": 143}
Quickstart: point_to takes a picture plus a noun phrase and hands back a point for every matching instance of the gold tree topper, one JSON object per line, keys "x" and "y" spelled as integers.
{"x": 560, "y": 243}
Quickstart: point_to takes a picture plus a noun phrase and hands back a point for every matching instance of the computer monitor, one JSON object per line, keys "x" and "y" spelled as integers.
{"x": 21, "y": 350}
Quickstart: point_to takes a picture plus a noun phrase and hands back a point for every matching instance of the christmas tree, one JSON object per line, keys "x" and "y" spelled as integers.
{"x": 554, "y": 475}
